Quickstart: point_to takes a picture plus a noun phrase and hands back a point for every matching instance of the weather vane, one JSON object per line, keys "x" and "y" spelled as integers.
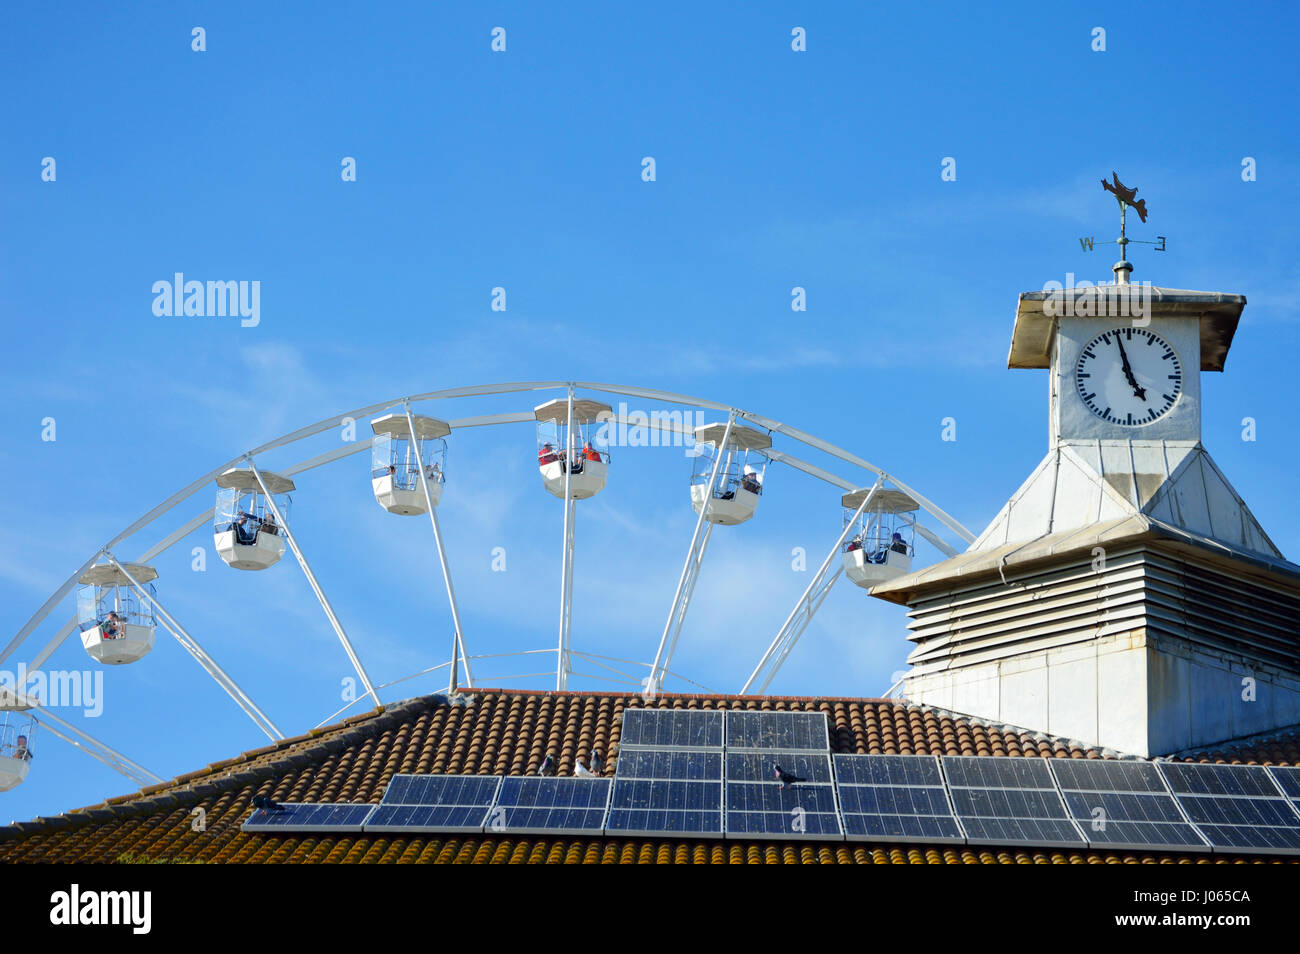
{"x": 1127, "y": 198}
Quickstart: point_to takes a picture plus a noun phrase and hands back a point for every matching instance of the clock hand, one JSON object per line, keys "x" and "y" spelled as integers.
{"x": 1128, "y": 371}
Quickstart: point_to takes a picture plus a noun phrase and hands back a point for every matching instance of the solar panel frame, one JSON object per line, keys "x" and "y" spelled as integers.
{"x": 1123, "y": 788}
{"x": 1234, "y": 793}
{"x": 1032, "y": 811}
{"x": 524, "y": 817}
{"x": 875, "y": 779}
{"x": 758, "y": 806}
{"x": 405, "y": 789}
{"x": 1287, "y": 779}
{"x": 342, "y": 817}
{"x": 777, "y": 731}
{"x": 653, "y": 728}
{"x": 411, "y": 806}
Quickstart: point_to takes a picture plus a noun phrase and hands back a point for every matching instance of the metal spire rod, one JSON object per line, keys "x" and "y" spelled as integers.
{"x": 315, "y": 586}
{"x": 806, "y": 607}
{"x": 690, "y": 570}
{"x": 566, "y": 567}
{"x": 191, "y": 645}
{"x": 458, "y": 637}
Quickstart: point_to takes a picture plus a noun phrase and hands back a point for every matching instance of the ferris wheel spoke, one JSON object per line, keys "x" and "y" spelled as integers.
{"x": 690, "y": 570}
{"x": 814, "y": 594}
{"x": 566, "y": 565}
{"x": 315, "y": 585}
{"x": 458, "y": 637}
{"x": 191, "y": 645}
{"x": 91, "y": 746}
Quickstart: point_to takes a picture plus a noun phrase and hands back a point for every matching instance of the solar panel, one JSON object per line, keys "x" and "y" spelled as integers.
{"x": 311, "y": 816}
{"x": 777, "y": 730}
{"x": 1009, "y": 801}
{"x": 678, "y": 728}
{"x": 1288, "y": 779}
{"x": 531, "y": 805}
{"x": 759, "y": 803}
{"x": 1236, "y": 807}
{"x": 659, "y": 791}
{"x": 435, "y": 803}
{"x": 441, "y": 790}
{"x": 669, "y": 763}
{"x": 894, "y": 798}
{"x": 1124, "y": 804}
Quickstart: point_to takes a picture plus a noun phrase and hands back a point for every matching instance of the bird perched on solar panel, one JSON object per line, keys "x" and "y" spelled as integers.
{"x": 547, "y": 767}
{"x": 266, "y": 803}
{"x": 787, "y": 779}
{"x": 596, "y": 762}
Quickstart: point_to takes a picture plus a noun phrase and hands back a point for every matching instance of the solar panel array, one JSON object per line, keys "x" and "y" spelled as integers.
{"x": 771, "y": 775}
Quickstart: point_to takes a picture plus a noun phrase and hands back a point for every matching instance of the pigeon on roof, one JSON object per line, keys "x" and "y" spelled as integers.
{"x": 267, "y": 804}
{"x": 547, "y": 767}
{"x": 597, "y": 763}
{"x": 787, "y": 779}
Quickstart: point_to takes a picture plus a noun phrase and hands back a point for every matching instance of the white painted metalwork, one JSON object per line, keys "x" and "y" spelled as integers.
{"x": 686, "y": 582}
{"x": 566, "y": 565}
{"x": 458, "y": 637}
{"x": 191, "y": 645}
{"x": 819, "y": 587}
{"x": 659, "y": 669}
{"x": 315, "y": 586}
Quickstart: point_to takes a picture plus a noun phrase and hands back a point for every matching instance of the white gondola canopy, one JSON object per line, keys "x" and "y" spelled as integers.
{"x": 881, "y": 542}
{"x": 395, "y": 464}
{"x": 585, "y": 447}
{"x": 735, "y": 493}
{"x": 116, "y": 621}
{"x": 17, "y": 730}
{"x": 245, "y": 530}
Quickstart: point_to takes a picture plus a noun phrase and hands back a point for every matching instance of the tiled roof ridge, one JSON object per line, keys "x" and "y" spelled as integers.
{"x": 1228, "y": 747}
{"x": 702, "y": 696}
{"x": 257, "y": 765}
{"x": 1036, "y": 735}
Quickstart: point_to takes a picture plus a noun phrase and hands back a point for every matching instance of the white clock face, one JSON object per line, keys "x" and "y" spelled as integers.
{"x": 1129, "y": 376}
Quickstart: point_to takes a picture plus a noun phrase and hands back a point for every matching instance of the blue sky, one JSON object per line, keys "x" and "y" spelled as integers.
{"x": 522, "y": 170}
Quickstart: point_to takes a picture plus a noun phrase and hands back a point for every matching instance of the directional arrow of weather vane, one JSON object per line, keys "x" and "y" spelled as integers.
{"x": 1127, "y": 198}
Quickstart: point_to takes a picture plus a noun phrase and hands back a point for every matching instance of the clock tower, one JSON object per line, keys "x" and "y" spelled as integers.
{"x": 1125, "y": 596}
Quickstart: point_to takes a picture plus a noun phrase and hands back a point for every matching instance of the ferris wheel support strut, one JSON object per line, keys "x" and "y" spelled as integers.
{"x": 818, "y": 589}
{"x": 690, "y": 571}
{"x": 566, "y": 566}
{"x": 191, "y": 646}
{"x": 315, "y": 586}
{"x": 458, "y": 637}
{"x": 91, "y": 746}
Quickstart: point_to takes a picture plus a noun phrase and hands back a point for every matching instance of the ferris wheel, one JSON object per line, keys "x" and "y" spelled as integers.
{"x": 119, "y": 606}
